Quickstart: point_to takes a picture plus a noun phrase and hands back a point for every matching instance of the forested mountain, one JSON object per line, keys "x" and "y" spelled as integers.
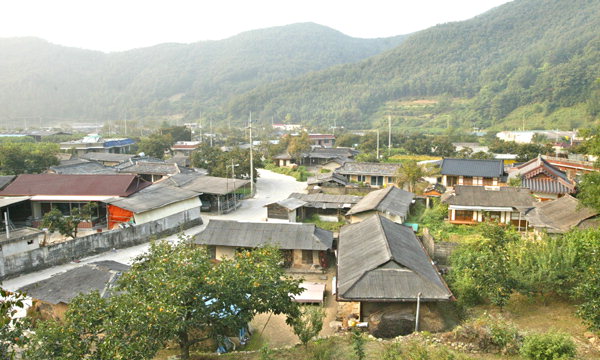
{"x": 525, "y": 59}
{"x": 39, "y": 79}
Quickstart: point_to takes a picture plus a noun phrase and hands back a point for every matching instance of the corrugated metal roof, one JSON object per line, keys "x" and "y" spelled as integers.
{"x": 154, "y": 168}
{"x": 56, "y": 184}
{"x": 152, "y": 197}
{"x": 320, "y": 198}
{"x": 108, "y": 157}
{"x": 499, "y": 196}
{"x": 290, "y": 203}
{"x": 328, "y": 177}
{"x": 252, "y": 234}
{"x": 390, "y": 200}
{"x": 560, "y": 215}
{"x": 381, "y": 260}
{"x": 5, "y": 201}
{"x": 365, "y": 168}
{"x": 83, "y": 168}
{"x": 473, "y": 167}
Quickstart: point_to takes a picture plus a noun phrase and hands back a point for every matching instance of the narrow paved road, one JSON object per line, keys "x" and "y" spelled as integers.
{"x": 270, "y": 187}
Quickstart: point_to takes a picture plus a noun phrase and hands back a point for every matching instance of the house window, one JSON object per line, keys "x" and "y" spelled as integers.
{"x": 463, "y": 215}
{"x": 377, "y": 180}
{"x": 307, "y": 257}
{"x": 451, "y": 180}
{"x": 212, "y": 251}
{"x": 488, "y": 181}
{"x": 361, "y": 178}
{"x": 390, "y": 180}
{"x": 467, "y": 180}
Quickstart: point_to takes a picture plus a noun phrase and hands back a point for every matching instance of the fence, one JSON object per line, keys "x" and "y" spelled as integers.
{"x": 439, "y": 251}
{"x": 56, "y": 254}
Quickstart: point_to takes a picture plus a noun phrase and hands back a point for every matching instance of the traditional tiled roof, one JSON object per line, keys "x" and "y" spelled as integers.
{"x": 286, "y": 236}
{"x": 559, "y": 216}
{"x": 327, "y": 200}
{"x": 541, "y": 176}
{"x": 489, "y": 196}
{"x": 391, "y": 200}
{"x": 328, "y": 177}
{"x": 473, "y": 167}
{"x": 367, "y": 168}
{"x": 546, "y": 186}
{"x": 379, "y": 260}
{"x": 153, "y": 197}
{"x": 89, "y": 167}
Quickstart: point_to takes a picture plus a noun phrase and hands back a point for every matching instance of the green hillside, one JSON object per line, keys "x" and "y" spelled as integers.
{"x": 39, "y": 79}
{"x": 543, "y": 55}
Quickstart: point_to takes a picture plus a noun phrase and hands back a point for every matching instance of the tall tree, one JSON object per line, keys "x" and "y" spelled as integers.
{"x": 156, "y": 145}
{"x": 299, "y": 145}
{"x": 11, "y": 327}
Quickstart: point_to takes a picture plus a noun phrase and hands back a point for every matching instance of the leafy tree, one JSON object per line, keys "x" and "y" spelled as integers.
{"x": 156, "y": 145}
{"x": 589, "y": 190}
{"x": 11, "y": 328}
{"x": 67, "y": 225}
{"x": 299, "y": 145}
{"x": 309, "y": 324}
{"x": 178, "y": 133}
{"x": 409, "y": 174}
{"x": 25, "y": 158}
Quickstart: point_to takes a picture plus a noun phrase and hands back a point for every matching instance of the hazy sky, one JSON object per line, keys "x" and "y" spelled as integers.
{"x": 115, "y": 25}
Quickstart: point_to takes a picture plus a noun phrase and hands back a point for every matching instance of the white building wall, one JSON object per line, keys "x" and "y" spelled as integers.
{"x": 168, "y": 210}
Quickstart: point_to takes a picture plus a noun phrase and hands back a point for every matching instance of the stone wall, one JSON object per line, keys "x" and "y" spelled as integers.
{"x": 438, "y": 251}
{"x": 56, "y": 254}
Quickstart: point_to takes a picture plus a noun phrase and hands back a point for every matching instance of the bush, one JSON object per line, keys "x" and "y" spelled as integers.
{"x": 322, "y": 349}
{"x": 415, "y": 350}
{"x": 488, "y": 333}
{"x": 548, "y": 346}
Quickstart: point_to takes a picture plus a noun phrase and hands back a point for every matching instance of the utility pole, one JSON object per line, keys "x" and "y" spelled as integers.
{"x": 211, "y": 133}
{"x": 251, "y": 158}
{"x": 377, "y": 144}
{"x": 389, "y": 134}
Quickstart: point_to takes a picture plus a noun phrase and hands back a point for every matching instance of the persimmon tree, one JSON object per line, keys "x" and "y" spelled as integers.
{"x": 11, "y": 327}
{"x": 172, "y": 293}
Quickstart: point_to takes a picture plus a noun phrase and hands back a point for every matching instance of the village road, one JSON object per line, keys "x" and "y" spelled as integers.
{"x": 270, "y": 187}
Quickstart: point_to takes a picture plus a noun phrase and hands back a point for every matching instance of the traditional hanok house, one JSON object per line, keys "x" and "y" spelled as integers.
{"x": 283, "y": 160}
{"x": 561, "y": 215}
{"x": 327, "y": 180}
{"x": 573, "y": 168}
{"x": 304, "y": 246}
{"x": 384, "y": 271}
{"x": 545, "y": 181}
{"x": 324, "y": 140}
{"x": 51, "y": 297}
{"x": 322, "y": 156}
{"x": 66, "y": 192}
{"x": 184, "y": 148}
{"x": 472, "y": 172}
{"x": 476, "y": 204}
{"x": 179, "y": 206}
{"x": 108, "y": 159}
{"x": 150, "y": 170}
{"x": 325, "y": 206}
{"x": 219, "y": 195}
{"x": 391, "y": 202}
{"x": 374, "y": 174}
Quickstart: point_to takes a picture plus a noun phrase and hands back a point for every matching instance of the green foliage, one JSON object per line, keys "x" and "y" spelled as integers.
{"x": 308, "y": 324}
{"x": 299, "y": 173}
{"x": 177, "y": 133}
{"x": 358, "y": 343}
{"x": 415, "y": 350}
{"x": 219, "y": 163}
{"x": 409, "y": 175}
{"x": 548, "y": 346}
{"x": 483, "y": 267}
{"x": 67, "y": 225}
{"x": 172, "y": 293}
{"x": 266, "y": 353}
{"x": 326, "y": 225}
{"x": 488, "y": 334}
{"x": 11, "y": 328}
{"x": 299, "y": 145}
{"x": 27, "y": 158}
{"x": 322, "y": 349}
{"x": 589, "y": 190}
{"x": 156, "y": 145}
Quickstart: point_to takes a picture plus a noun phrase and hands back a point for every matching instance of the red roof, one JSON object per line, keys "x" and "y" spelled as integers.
{"x": 82, "y": 185}
{"x": 321, "y": 136}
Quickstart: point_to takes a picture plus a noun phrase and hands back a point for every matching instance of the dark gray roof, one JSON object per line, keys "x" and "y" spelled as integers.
{"x": 489, "y": 196}
{"x": 286, "y": 236}
{"x": 88, "y": 167}
{"x": 560, "y": 215}
{"x": 329, "y": 201}
{"x": 379, "y": 260}
{"x": 63, "y": 287}
{"x": 332, "y": 153}
{"x": 206, "y": 184}
{"x": 328, "y": 177}
{"x": 290, "y": 203}
{"x": 108, "y": 157}
{"x": 148, "y": 167}
{"x": 473, "y": 167}
{"x": 365, "y": 168}
{"x": 391, "y": 200}
{"x": 5, "y": 180}
{"x": 153, "y": 197}
{"x": 546, "y": 186}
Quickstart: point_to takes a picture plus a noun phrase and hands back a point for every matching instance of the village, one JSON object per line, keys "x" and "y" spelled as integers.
{"x": 353, "y": 233}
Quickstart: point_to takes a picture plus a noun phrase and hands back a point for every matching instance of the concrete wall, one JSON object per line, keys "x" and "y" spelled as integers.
{"x": 192, "y": 205}
{"x": 356, "y": 218}
{"x": 78, "y": 248}
{"x": 21, "y": 243}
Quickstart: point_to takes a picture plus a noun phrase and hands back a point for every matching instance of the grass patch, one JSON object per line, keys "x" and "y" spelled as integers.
{"x": 326, "y": 225}
{"x": 300, "y": 173}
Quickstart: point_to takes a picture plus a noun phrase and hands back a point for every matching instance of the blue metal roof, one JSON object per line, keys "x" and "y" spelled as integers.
{"x": 118, "y": 142}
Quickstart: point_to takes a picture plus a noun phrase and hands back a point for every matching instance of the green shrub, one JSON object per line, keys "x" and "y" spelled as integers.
{"x": 415, "y": 350}
{"x": 488, "y": 333}
{"x": 322, "y": 349}
{"x": 548, "y": 346}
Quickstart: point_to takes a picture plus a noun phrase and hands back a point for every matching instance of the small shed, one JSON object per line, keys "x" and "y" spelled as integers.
{"x": 304, "y": 245}
{"x": 327, "y": 207}
{"x": 287, "y": 209}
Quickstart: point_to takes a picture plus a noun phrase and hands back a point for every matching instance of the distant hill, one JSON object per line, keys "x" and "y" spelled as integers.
{"x": 57, "y": 83}
{"x": 526, "y": 58}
